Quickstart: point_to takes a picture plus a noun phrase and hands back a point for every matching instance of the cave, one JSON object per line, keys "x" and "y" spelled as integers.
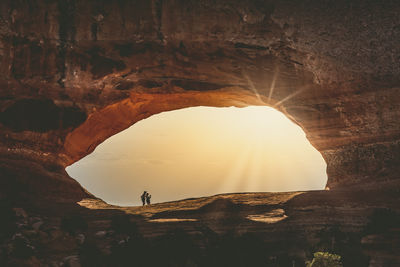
{"x": 76, "y": 72}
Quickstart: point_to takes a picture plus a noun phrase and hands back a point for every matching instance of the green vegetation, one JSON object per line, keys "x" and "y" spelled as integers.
{"x": 325, "y": 259}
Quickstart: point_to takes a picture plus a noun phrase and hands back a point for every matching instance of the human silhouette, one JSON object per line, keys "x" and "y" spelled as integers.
{"x": 143, "y": 197}
{"x": 148, "y": 197}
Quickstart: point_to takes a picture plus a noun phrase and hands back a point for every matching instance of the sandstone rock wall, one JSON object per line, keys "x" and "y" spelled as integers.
{"x": 75, "y": 72}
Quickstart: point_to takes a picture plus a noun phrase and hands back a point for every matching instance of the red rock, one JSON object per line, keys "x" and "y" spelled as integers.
{"x": 73, "y": 73}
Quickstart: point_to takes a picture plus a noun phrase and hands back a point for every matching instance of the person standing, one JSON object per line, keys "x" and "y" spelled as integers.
{"x": 144, "y": 197}
{"x": 148, "y": 197}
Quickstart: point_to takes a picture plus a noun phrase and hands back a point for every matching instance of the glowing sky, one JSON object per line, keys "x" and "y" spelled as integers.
{"x": 202, "y": 151}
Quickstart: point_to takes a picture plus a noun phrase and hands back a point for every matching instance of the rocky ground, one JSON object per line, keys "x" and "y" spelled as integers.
{"x": 247, "y": 229}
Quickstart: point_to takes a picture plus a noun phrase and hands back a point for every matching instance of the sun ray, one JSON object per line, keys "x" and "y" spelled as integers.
{"x": 289, "y": 97}
{"x": 252, "y": 87}
{"x": 234, "y": 176}
{"x": 272, "y": 87}
{"x": 254, "y": 176}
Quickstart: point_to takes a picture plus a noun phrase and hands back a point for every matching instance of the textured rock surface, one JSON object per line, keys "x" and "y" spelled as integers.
{"x": 261, "y": 229}
{"x": 75, "y": 72}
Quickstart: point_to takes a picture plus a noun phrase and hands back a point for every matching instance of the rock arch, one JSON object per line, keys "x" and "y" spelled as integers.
{"x": 101, "y": 66}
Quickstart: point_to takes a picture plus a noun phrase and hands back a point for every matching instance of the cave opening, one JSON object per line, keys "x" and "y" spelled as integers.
{"x": 202, "y": 151}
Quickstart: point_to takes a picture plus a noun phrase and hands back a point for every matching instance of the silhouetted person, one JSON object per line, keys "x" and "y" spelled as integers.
{"x": 148, "y": 197}
{"x": 144, "y": 197}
